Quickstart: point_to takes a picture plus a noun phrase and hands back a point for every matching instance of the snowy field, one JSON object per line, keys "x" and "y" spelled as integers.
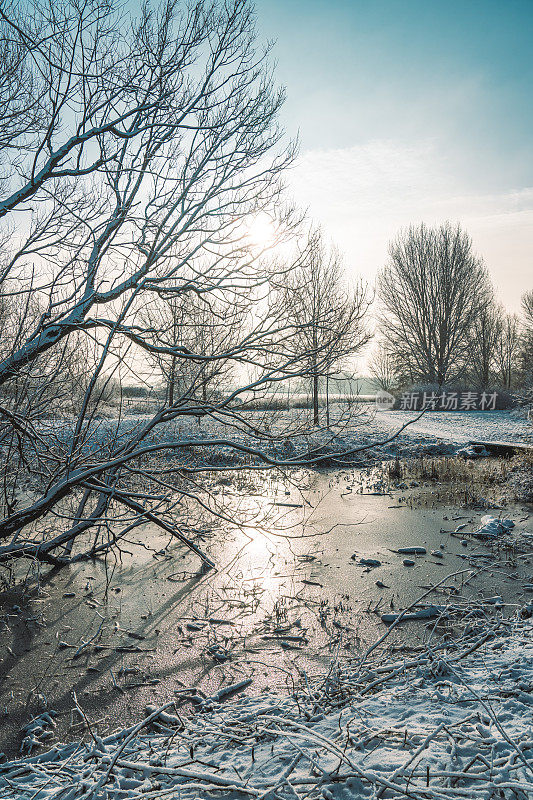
{"x": 459, "y": 427}
{"x": 367, "y": 425}
{"x": 438, "y": 433}
{"x": 444, "y": 725}
{"x": 287, "y": 434}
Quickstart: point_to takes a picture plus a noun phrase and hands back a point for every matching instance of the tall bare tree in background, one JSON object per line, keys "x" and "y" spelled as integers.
{"x": 131, "y": 151}
{"x": 383, "y": 369}
{"x": 485, "y": 336}
{"x": 507, "y": 350}
{"x": 432, "y": 291}
{"x": 527, "y": 308}
{"x": 327, "y": 313}
{"x": 525, "y": 350}
{"x": 193, "y": 324}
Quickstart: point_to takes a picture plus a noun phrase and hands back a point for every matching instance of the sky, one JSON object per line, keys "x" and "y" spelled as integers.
{"x": 411, "y": 111}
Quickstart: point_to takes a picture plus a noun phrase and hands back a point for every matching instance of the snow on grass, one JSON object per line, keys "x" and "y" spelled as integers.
{"x": 288, "y": 435}
{"x": 451, "y": 723}
{"x": 460, "y": 427}
{"x": 437, "y": 433}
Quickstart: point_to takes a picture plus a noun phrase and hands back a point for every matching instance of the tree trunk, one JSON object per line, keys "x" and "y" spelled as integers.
{"x": 172, "y": 381}
{"x": 315, "y": 398}
{"x": 315, "y": 372}
{"x": 327, "y": 400}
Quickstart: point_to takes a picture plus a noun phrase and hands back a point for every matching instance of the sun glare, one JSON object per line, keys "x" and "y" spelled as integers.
{"x": 261, "y": 232}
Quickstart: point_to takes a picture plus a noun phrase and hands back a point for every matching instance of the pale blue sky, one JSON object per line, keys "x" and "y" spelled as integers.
{"x": 411, "y": 111}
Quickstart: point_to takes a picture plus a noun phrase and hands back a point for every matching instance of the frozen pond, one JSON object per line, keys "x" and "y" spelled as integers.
{"x": 287, "y": 596}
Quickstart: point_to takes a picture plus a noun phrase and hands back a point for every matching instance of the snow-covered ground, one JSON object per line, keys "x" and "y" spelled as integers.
{"x": 437, "y": 433}
{"x": 288, "y": 435}
{"x": 459, "y": 427}
{"x": 447, "y": 431}
{"x": 443, "y": 725}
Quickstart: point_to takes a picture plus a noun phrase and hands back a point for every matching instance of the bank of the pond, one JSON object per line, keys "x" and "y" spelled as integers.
{"x": 451, "y": 723}
{"x": 289, "y": 594}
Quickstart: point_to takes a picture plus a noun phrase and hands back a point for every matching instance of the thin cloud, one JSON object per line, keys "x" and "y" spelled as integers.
{"x": 364, "y": 194}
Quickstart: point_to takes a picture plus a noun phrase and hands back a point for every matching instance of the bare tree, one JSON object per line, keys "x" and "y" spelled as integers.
{"x": 525, "y": 347}
{"x": 432, "y": 290}
{"x": 485, "y": 334}
{"x": 327, "y": 314}
{"x": 383, "y": 369}
{"x": 193, "y": 324}
{"x": 507, "y": 349}
{"x": 145, "y": 155}
{"x": 527, "y": 308}
{"x": 131, "y": 151}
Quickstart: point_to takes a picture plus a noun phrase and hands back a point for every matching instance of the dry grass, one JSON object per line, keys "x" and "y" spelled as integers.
{"x": 451, "y": 469}
{"x": 513, "y": 477}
